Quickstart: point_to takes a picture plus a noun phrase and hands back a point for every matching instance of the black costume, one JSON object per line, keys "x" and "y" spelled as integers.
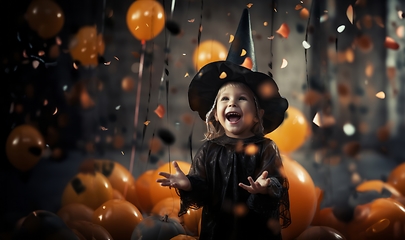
{"x": 217, "y": 169}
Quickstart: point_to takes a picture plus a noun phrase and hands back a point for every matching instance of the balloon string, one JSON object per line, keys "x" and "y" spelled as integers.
{"x": 102, "y": 17}
{"x": 138, "y": 97}
{"x": 273, "y": 5}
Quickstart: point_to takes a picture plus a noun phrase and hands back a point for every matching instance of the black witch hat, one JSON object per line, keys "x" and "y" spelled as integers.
{"x": 239, "y": 66}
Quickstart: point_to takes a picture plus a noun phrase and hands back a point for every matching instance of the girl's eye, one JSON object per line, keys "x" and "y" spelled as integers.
{"x": 242, "y": 98}
{"x": 224, "y": 98}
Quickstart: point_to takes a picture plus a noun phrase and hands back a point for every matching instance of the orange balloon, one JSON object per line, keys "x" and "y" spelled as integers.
{"x": 183, "y": 237}
{"x": 142, "y": 191}
{"x": 158, "y": 192}
{"x": 89, "y": 189}
{"x": 303, "y": 198}
{"x": 145, "y": 19}
{"x": 90, "y": 230}
{"x": 168, "y": 206}
{"x": 384, "y": 218}
{"x": 75, "y": 211}
{"x": 117, "y": 194}
{"x": 86, "y": 46}
{"x": 118, "y": 217}
{"x": 45, "y": 17}
{"x": 320, "y": 232}
{"x": 118, "y": 175}
{"x": 316, "y": 219}
{"x": 396, "y": 178}
{"x": 192, "y": 220}
{"x": 328, "y": 219}
{"x": 24, "y": 147}
{"x": 292, "y": 133}
{"x": 209, "y": 51}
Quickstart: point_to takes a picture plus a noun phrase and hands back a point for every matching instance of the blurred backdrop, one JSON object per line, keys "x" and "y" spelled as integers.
{"x": 91, "y": 81}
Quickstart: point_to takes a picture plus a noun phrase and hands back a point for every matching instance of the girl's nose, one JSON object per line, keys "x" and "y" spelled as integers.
{"x": 231, "y": 104}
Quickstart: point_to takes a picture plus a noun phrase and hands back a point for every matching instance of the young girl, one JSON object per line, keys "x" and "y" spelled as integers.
{"x": 237, "y": 175}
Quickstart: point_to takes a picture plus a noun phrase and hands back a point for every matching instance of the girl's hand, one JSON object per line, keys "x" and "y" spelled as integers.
{"x": 177, "y": 180}
{"x": 259, "y": 186}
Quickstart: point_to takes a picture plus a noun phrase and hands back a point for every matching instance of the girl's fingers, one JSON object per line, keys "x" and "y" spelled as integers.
{"x": 164, "y": 174}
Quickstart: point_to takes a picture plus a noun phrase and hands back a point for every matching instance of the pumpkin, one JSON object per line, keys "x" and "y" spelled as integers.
{"x": 91, "y": 189}
{"x": 158, "y": 228}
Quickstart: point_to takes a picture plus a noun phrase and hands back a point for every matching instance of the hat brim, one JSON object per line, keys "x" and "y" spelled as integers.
{"x": 204, "y": 87}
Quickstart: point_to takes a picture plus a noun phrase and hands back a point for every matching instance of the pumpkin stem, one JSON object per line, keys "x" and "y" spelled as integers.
{"x": 165, "y": 218}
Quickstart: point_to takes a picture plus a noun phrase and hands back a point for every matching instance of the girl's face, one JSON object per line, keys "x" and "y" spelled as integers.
{"x": 236, "y": 110}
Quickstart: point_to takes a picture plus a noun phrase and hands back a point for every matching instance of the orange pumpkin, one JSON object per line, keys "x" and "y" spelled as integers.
{"x": 320, "y": 232}
{"x": 91, "y": 189}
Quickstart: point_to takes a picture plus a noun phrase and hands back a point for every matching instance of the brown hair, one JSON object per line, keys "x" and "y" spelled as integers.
{"x": 215, "y": 129}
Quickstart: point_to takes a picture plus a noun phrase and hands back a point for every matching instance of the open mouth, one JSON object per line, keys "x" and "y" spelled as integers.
{"x": 233, "y": 117}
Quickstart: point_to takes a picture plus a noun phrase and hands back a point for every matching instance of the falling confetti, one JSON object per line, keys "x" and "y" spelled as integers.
{"x": 304, "y": 14}
{"x": 222, "y": 75}
{"x": 243, "y": 53}
{"x": 349, "y": 13}
{"x": 380, "y": 95}
{"x": 146, "y": 123}
{"x": 247, "y": 63}
{"x": 305, "y": 44}
{"x": 349, "y": 129}
{"x": 341, "y": 28}
{"x": 160, "y": 111}
{"x": 390, "y": 43}
{"x": 284, "y": 30}
{"x": 298, "y": 7}
{"x": 231, "y": 38}
{"x": 251, "y": 149}
{"x": 284, "y": 64}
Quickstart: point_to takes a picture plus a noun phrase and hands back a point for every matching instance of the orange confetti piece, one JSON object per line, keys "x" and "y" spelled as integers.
{"x": 146, "y": 123}
{"x": 391, "y": 44}
{"x": 231, "y": 38}
{"x": 191, "y": 20}
{"x": 304, "y": 13}
{"x": 251, "y": 149}
{"x": 349, "y": 13}
{"x": 243, "y": 53}
{"x": 247, "y": 63}
{"x": 160, "y": 111}
{"x": 222, "y": 75}
{"x": 284, "y": 30}
{"x": 249, "y": 5}
{"x": 298, "y": 7}
{"x": 380, "y": 95}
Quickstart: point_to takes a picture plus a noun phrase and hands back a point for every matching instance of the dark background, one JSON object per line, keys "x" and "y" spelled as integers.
{"x": 169, "y": 57}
